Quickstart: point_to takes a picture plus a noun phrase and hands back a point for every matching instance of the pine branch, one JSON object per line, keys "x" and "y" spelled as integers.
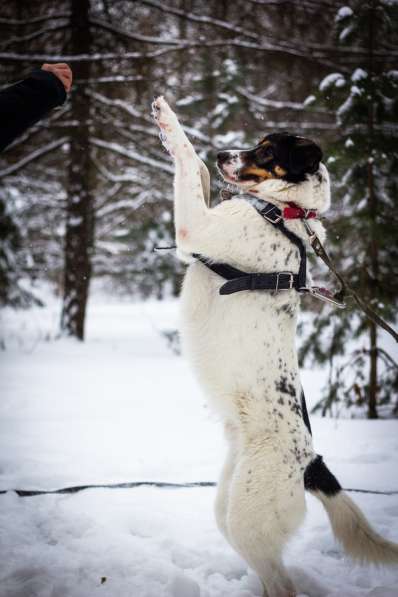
{"x": 38, "y": 153}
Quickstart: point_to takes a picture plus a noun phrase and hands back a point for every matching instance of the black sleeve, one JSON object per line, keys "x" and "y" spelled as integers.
{"x": 26, "y": 102}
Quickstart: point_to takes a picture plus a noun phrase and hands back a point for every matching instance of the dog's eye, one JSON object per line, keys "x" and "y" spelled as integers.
{"x": 263, "y": 154}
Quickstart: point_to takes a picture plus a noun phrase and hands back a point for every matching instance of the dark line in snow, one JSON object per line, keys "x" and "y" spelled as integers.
{"x": 132, "y": 485}
{"x": 157, "y": 484}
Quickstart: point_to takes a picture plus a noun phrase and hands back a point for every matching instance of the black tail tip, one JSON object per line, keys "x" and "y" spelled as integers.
{"x": 317, "y": 477}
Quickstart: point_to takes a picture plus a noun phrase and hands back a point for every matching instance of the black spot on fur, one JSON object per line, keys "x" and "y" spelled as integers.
{"x": 296, "y": 409}
{"x": 317, "y": 476}
{"x": 288, "y": 256}
{"x": 286, "y": 388}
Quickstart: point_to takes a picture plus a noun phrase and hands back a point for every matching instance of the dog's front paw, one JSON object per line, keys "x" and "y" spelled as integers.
{"x": 171, "y": 134}
{"x": 163, "y": 114}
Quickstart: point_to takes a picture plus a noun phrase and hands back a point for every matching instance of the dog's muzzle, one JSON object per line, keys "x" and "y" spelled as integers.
{"x": 229, "y": 163}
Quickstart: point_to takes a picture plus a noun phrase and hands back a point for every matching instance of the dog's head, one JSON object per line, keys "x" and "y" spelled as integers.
{"x": 277, "y": 156}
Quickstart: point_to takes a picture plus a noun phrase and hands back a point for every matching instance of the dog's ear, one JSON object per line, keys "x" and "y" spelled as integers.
{"x": 304, "y": 156}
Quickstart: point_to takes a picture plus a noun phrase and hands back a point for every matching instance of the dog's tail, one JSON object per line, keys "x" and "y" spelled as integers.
{"x": 349, "y": 525}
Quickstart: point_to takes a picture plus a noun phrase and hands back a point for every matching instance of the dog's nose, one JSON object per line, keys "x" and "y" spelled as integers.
{"x": 223, "y": 156}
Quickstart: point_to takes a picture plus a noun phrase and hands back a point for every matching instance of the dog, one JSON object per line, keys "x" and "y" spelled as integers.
{"x": 242, "y": 348}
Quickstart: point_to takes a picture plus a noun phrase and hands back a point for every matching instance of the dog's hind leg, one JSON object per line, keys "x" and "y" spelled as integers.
{"x": 224, "y": 483}
{"x": 265, "y": 507}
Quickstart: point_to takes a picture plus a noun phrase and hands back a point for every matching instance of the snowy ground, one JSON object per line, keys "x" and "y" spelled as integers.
{"x": 122, "y": 407}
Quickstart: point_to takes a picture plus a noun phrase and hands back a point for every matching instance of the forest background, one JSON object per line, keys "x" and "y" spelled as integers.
{"x": 86, "y": 194}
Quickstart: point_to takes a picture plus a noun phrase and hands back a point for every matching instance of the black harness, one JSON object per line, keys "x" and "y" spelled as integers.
{"x": 238, "y": 280}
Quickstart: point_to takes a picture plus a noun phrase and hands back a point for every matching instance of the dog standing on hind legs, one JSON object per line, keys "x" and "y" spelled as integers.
{"x": 242, "y": 346}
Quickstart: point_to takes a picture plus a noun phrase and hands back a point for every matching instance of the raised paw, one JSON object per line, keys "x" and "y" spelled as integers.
{"x": 171, "y": 133}
{"x": 163, "y": 114}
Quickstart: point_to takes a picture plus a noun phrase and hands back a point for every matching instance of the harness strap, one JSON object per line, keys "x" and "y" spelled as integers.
{"x": 273, "y": 214}
{"x": 238, "y": 280}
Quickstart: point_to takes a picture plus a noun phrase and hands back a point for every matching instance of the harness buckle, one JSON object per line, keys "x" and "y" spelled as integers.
{"x": 270, "y": 220}
{"x": 291, "y": 281}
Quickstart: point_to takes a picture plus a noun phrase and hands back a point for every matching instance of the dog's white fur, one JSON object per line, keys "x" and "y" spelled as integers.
{"x": 242, "y": 348}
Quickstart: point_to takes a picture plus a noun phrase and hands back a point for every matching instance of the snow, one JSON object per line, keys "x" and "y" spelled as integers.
{"x": 358, "y": 75}
{"x": 333, "y": 79}
{"x": 309, "y": 100}
{"x": 343, "y": 13}
{"x": 122, "y": 407}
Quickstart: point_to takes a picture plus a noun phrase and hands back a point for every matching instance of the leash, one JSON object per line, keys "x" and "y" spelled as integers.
{"x": 371, "y": 314}
{"x": 156, "y": 484}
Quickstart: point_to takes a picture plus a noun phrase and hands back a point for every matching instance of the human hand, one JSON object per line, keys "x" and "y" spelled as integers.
{"x": 62, "y": 71}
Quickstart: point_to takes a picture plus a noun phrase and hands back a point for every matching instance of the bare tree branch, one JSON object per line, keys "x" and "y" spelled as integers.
{"x": 292, "y": 45}
{"x": 121, "y": 104}
{"x": 135, "y": 36}
{"x": 33, "y": 20}
{"x": 33, "y": 35}
{"x": 200, "y": 19}
{"x": 310, "y": 56}
{"x": 288, "y": 125}
{"x": 278, "y": 105}
{"x": 128, "y": 108}
{"x": 95, "y": 57}
{"x": 33, "y": 156}
{"x": 132, "y": 155}
{"x": 109, "y": 79}
{"x": 114, "y": 178}
{"x": 298, "y": 3}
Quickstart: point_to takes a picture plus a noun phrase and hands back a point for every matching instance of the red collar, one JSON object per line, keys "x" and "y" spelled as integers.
{"x": 294, "y": 212}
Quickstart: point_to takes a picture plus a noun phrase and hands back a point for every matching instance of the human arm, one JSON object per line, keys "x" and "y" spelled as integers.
{"x": 26, "y": 102}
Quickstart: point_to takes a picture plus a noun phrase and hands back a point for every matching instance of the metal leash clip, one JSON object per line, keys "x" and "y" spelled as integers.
{"x": 323, "y": 294}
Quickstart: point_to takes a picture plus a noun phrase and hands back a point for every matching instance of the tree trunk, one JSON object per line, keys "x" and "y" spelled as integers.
{"x": 372, "y": 398}
{"x": 80, "y": 212}
{"x": 373, "y": 248}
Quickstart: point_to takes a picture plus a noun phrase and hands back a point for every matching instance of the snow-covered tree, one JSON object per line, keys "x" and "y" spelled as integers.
{"x": 363, "y": 160}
